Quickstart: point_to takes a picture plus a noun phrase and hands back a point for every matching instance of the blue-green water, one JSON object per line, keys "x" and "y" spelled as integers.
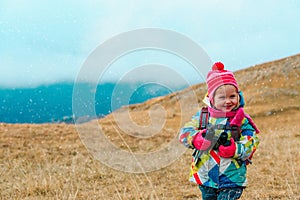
{"x": 53, "y": 103}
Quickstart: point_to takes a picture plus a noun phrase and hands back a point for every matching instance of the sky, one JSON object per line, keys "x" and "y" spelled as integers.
{"x": 43, "y": 42}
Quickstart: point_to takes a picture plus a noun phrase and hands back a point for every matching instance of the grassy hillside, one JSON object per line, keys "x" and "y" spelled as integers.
{"x": 50, "y": 161}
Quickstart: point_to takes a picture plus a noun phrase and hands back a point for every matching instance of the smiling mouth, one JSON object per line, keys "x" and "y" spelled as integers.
{"x": 228, "y": 107}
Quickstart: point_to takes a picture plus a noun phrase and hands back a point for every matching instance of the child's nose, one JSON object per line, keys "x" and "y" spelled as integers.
{"x": 227, "y": 100}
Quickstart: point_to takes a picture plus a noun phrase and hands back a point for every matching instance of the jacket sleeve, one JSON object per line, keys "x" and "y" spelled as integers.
{"x": 248, "y": 142}
{"x": 189, "y": 130}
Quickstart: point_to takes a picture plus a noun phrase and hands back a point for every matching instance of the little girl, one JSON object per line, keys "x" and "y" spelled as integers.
{"x": 226, "y": 145}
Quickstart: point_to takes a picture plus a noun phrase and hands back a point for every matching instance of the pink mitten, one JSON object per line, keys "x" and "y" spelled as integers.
{"x": 227, "y": 151}
{"x": 200, "y": 142}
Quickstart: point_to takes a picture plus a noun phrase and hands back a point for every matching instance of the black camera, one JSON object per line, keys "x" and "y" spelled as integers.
{"x": 222, "y": 141}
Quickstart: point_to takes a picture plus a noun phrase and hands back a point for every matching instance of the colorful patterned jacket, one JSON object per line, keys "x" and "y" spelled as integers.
{"x": 213, "y": 170}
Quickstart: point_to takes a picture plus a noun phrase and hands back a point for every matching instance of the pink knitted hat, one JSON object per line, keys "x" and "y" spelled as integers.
{"x": 218, "y": 77}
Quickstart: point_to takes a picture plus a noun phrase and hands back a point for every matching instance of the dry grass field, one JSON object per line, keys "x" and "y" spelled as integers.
{"x": 51, "y": 161}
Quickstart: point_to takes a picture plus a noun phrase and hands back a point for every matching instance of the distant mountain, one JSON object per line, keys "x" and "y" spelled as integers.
{"x": 53, "y": 103}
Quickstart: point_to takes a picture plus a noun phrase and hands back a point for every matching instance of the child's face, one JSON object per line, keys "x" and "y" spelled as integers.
{"x": 226, "y": 98}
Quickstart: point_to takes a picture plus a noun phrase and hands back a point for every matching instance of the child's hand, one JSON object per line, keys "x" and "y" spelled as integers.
{"x": 200, "y": 142}
{"x": 227, "y": 151}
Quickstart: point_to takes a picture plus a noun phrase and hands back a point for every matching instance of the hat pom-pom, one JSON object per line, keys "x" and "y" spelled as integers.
{"x": 218, "y": 66}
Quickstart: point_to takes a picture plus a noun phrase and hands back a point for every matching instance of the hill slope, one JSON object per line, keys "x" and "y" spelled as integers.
{"x": 50, "y": 160}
